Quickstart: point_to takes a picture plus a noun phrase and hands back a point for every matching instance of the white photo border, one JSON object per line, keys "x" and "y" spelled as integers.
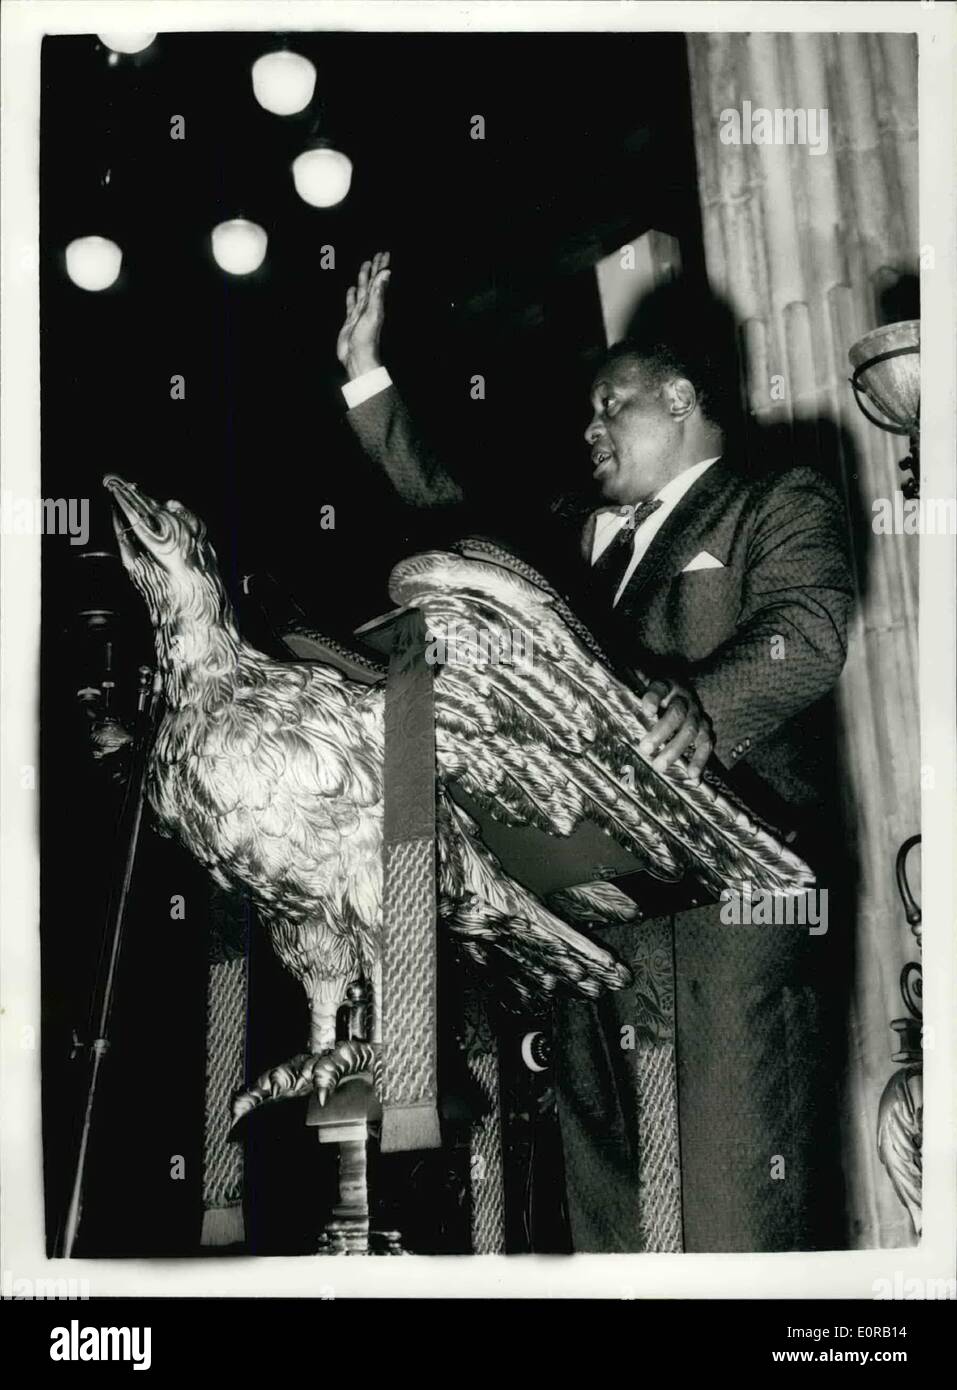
{"x": 841, "y": 1274}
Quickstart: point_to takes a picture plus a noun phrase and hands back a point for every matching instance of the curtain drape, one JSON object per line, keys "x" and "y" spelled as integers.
{"x": 810, "y": 249}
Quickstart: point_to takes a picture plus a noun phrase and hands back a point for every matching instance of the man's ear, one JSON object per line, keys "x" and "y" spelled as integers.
{"x": 682, "y": 398}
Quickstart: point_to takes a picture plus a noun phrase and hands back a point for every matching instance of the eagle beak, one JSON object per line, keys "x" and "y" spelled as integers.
{"x": 143, "y": 517}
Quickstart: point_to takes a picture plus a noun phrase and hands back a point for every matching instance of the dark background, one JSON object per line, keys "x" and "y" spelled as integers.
{"x": 588, "y": 144}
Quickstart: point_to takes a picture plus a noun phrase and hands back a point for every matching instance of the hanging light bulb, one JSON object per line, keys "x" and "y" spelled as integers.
{"x": 126, "y": 43}
{"x": 283, "y": 82}
{"x": 322, "y": 176}
{"x": 239, "y": 246}
{"x": 93, "y": 262}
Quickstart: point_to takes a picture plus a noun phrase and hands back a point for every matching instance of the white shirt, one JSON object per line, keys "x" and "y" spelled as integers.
{"x": 364, "y": 386}
{"x": 609, "y": 523}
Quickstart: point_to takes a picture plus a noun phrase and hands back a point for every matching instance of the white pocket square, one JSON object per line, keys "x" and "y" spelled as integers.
{"x": 703, "y": 561}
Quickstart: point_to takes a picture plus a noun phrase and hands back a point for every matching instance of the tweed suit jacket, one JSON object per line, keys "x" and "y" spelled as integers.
{"x": 762, "y": 635}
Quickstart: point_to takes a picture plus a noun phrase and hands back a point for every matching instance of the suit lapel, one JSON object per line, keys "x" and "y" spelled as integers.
{"x": 680, "y": 537}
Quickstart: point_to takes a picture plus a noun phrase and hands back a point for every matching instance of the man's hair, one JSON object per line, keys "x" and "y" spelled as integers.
{"x": 677, "y": 334}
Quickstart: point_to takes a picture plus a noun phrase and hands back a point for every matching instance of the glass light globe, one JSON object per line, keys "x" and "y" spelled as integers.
{"x": 322, "y": 177}
{"x": 283, "y": 82}
{"x": 126, "y": 43}
{"x": 239, "y": 247}
{"x": 93, "y": 262}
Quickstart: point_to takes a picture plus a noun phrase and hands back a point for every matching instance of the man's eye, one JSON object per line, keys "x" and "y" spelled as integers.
{"x": 609, "y": 402}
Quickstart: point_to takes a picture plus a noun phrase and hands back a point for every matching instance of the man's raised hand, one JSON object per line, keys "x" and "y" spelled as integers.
{"x": 357, "y": 346}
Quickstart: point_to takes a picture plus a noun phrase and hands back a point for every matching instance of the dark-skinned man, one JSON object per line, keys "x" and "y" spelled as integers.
{"x": 717, "y": 1130}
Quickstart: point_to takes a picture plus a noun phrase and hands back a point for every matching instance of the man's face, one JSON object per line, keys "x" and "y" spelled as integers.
{"x": 632, "y": 433}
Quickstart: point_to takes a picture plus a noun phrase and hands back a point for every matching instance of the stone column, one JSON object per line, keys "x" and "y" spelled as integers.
{"x": 810, "y": 250}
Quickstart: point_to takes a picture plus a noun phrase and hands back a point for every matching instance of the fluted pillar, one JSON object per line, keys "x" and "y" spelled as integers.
{"x": 807, "y": 249}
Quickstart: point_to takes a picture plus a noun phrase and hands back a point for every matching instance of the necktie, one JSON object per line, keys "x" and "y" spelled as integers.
{"x": 616, "y": 557}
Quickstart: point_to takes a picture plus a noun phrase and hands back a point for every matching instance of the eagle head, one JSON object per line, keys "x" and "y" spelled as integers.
{"x": 164, "y": 550}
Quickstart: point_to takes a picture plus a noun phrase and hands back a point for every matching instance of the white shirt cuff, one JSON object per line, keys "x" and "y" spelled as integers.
{"x": 366, "y": 385}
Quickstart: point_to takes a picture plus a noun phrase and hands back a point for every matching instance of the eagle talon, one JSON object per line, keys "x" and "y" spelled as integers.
{"x": 318, "y": 1073}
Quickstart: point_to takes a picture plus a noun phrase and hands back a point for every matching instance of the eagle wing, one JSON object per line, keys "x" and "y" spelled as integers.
{"x": 533, "y": 725}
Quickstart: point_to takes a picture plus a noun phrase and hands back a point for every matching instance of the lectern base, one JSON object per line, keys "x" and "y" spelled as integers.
{"x": 350, "y": 1118}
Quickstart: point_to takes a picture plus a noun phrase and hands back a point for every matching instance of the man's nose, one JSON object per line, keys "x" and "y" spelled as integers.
{"x": 594, "y": 431}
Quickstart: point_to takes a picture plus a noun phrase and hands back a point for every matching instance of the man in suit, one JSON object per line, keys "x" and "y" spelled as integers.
{"x": 739, "y": 589}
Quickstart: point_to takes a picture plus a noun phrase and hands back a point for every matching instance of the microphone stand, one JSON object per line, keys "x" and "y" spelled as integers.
{"x": 147, "y": 710}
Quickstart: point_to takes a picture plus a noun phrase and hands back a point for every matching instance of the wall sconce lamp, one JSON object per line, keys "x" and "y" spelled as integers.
{"x": 322, "y": 175}
{"x": 126, "y": 43}
{"x": 93, "y": 262}
{"x": 283, "y": 82}
{"x": 886, "y": 365}
{"x": 239, "y": 246}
